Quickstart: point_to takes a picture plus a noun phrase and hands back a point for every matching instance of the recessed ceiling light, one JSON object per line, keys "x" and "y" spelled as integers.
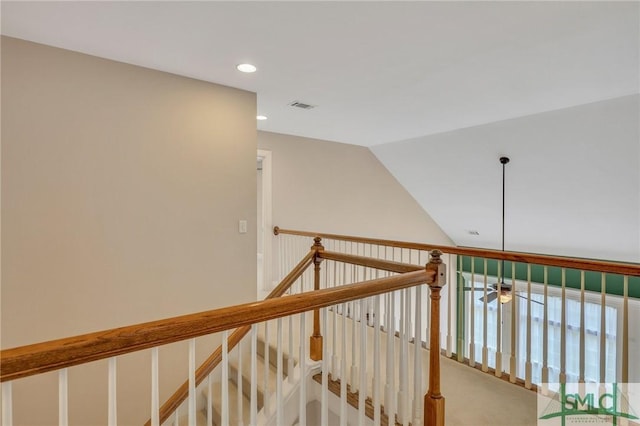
{"x": 261, "y": 117}
{"x": 246, "y": 68}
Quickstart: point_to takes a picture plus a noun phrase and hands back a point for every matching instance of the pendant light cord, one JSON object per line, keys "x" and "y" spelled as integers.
{"x": 503, "y": 177}
{"x": 503, "y": 161}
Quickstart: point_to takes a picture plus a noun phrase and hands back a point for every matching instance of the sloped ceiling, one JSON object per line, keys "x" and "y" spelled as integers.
{"x": 439, "y": 90}
{"x": 572, "y": 185}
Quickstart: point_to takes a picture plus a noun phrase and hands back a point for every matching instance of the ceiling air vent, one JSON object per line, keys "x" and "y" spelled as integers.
{"x": 302, "y": 105}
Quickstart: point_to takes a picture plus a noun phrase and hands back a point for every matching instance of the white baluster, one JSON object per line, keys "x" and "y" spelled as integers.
{"x": 624, "y": 370}
{"x": 417, "y": 361}
{"x": 290, "y": 252}
{"x": 448, "y": 289}
{"x": 302, "y": 409}
{"x": 563, "y": 330}
{"x": 239, "y": 381}
{"x": 334, "y": 335}
{"x": 112, "y": 416}
{"x": 176, "y": 417}
{"x": 376, "y": 360}
{"x": 390, "y": 386}
{"x": 344, "y": 275}
{"x": 370, "y": 309}
{"x": 354, "y": 349}
{"x": 324, "y": 406}
{"x": 225, "y": 380}
{"x": 353, "y": 270}
{"x": 253, "y": 414}
{"x": 282, "y": 261}
{"x": 290, "y": 358}
{"x": 7, "y": 404}
{"x": 280, "y": 241}
{"x": 498, "y": 370}
{"x": 343, "y": 369}
{"x": 283, "y": 255}
{"x": 582, "y": 329}
{"x": 363, "y": 361}
{"x": 402, "y": 388}
{"x": 279, "y": 374}
{"x": 210, "y": 399}
{"x": 458, "y": 297}
{"x": 63, "y": 398}
{"x": 514, "y": 309}
{"x": 625, "y": 332}
{"x": 527, "y": 365}
{"x": 155, "y": 389}
{"x": 427, "y": 315}
{"x": 472, "y": 316}
{"x": 384, "y": 308}
{"x": 603, "y": 328}
{"x": 485, "y": 350}
{"x": 265, "y": 395}
{"x": 545, "y": 336}
{"x": 334, "y": 359}
{"x": 191, "y": 400}
{"x": 407, "y": 331}
{"x": 334, "y": 339}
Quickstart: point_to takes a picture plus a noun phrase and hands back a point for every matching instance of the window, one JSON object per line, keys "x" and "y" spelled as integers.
{"x": 554, "y": 310}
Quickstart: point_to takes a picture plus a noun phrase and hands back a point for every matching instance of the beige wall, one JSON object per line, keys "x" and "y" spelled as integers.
{"x": 339, "y": 188}
{"x": 122, "y": 188}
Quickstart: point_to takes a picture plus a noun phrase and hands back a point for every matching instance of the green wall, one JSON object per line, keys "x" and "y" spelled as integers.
{"x": 614, "y": 282}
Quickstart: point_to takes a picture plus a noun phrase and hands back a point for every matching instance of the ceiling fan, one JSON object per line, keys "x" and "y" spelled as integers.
{"x": 500, "y": 289}
{"x": 493, "y": 293}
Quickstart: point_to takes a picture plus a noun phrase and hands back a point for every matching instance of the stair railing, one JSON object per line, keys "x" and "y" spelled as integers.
{"x": 182, "y": 393}
{"x": 362, "y": 386}
{"x": 361, "y": 285}
{"x": 61, "y": 354}
{"x": 588, "y": 303}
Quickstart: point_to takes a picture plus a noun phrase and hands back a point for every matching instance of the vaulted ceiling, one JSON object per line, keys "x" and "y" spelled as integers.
{"x": 395, "y": 75}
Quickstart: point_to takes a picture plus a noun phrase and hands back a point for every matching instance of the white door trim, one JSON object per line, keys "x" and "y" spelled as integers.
{"x": 266, "y": 221}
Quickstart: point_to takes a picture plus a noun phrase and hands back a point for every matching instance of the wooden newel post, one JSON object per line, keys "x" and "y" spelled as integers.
{"x": 315, "y": 342}
{"x": 433, "y": 399}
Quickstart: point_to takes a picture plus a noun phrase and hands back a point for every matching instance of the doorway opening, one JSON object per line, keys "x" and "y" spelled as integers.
{"x": 264, "y": 224}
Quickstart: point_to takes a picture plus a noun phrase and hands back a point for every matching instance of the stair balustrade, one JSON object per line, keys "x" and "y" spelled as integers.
{"x": 239, "y": 325}
{"x": 533, "y": 320}
{"x": 363, "y": 321}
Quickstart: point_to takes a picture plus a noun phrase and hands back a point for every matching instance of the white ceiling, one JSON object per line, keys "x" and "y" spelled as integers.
{"x": 572, "y": 185}
{"x": 378, "y": 72}
{"x": 396, "y": 76}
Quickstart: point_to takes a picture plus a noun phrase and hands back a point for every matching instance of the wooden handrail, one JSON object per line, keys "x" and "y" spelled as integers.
{"x": 39, "y": 358}
{"x": 385, "y": 265}
{"x": 215, "y": 359}
{"x": 181, "y": 394}
{"x": 631, "y": 269}
{"x": 33, "y": 359}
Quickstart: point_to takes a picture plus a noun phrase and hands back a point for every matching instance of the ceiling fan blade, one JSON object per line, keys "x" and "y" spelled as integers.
{"x": 490, "y": 297}
{"x": 533, "y": 300}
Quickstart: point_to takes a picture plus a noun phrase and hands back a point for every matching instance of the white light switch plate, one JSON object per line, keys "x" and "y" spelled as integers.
{"x": 242, "y": 226}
